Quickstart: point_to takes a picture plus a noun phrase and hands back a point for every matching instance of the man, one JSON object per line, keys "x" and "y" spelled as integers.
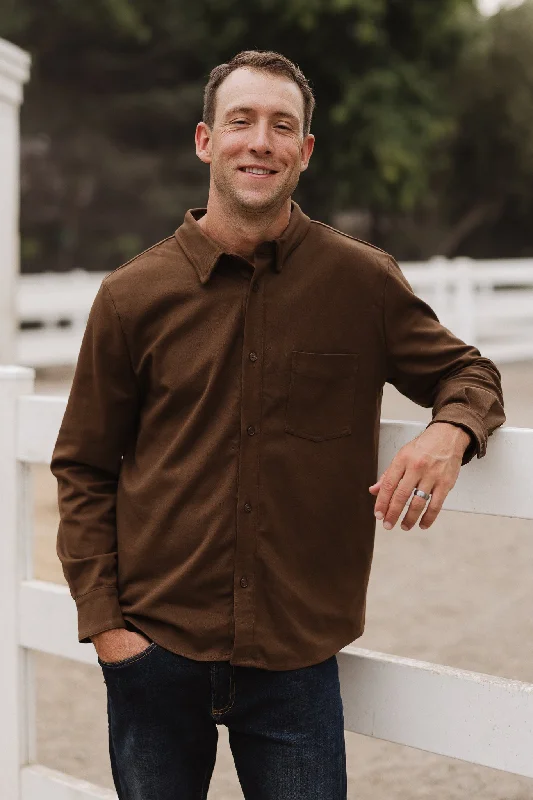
{"x": 217, "y": 460}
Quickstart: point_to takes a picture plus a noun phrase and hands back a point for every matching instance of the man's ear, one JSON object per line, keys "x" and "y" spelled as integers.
{"x": 307, "y": 148}
{"x": 202, "y": 138}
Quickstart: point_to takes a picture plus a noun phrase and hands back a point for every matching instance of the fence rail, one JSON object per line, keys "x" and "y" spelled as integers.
{"x": 487, "y": 303}
{"x": 474, "y": 717}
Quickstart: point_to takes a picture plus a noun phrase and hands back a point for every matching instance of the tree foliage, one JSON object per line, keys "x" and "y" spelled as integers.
{"x": 490, "y": 185}
{"x": 116, "y": 91}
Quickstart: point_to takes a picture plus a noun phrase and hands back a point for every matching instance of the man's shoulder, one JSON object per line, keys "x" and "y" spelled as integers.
{"x": 144, "y": 263}
{"x": 346, "y": 243}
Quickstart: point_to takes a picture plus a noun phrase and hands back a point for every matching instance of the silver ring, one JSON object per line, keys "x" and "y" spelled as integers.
{"x": 420, "y": 493}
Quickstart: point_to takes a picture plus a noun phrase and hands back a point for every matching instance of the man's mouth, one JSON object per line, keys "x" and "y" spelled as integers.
{"x": 257, "y": 170}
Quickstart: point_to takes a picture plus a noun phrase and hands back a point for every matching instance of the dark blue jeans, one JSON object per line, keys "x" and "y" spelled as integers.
{"x": 286, "y": 728}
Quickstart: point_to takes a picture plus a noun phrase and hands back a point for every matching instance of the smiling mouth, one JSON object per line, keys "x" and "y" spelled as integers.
{"x": 258, "y": 172}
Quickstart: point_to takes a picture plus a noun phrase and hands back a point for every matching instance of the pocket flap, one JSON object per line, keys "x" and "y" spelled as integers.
{"x": 324, "y": 365}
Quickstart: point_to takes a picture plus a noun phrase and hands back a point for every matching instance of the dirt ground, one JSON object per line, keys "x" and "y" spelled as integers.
{"x": 458, "y": 594}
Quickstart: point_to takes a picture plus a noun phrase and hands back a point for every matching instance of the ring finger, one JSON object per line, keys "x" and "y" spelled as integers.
{"x": 416, "y": 506}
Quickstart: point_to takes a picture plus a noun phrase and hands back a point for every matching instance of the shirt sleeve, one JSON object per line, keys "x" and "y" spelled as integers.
{"x": 429, "y": 364}
{"x": 100, "y": 419}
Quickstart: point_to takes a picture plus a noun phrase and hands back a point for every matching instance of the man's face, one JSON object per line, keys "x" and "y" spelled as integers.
{"x": 258, "y": 124}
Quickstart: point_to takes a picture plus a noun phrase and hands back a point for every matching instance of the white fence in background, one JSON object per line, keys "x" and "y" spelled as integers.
{"x": 477, "y": 718}
{"x": 487, "y": 303}
{"x": 14, "y": 72}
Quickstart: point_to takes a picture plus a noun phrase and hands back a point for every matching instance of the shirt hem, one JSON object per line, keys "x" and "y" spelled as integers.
{"x": 273, "y": 666}
{"x": 317, "y": 658}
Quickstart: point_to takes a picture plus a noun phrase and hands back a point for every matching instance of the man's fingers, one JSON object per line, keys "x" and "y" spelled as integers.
{"x": 412, "y": 468}
{"x": 416, "y": 506}
{"x": 433, "y": 508}
{"x": 389, "y": 481}
{"x": 399, "y": 498}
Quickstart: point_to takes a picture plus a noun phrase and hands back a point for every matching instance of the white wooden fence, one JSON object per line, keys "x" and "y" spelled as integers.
{"x": 487, "y": 303}
{"x": 473, "y": 717}
{"x": 14, "y": 72}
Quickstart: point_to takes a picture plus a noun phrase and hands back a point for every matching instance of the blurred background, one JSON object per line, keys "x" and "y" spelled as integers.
{"x": 424, "y": 146}
{"x": 423, "y": 120}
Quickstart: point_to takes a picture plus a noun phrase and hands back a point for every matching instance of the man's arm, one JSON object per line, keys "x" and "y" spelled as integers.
{"x": 99, "y": 421}
{"x": 434, "y": 368}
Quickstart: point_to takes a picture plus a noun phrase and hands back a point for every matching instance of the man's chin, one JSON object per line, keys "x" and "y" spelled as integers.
{"x": 259, "y": 204}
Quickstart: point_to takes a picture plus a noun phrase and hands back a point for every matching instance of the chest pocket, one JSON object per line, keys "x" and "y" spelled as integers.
{"x": 320, "y": 402}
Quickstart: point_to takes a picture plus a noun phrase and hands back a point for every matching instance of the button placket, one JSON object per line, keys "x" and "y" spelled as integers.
{"x": 248, "y": 476}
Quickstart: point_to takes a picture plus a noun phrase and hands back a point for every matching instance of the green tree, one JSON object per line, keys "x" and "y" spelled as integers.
{"x": 116, "y": 91}
{"x": 490, "y": 183}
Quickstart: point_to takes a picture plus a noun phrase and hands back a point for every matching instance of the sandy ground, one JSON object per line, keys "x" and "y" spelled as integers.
{"x": 458, "y": 594}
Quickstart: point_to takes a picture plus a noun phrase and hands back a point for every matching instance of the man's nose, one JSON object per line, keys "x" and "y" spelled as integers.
{"x": 259, "y": 141}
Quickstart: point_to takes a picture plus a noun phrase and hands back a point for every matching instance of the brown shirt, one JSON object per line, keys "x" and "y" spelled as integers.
{"x": 221, "y": 434}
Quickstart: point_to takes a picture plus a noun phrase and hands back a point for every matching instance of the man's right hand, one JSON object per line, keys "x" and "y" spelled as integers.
{"x": 117, "y": 644}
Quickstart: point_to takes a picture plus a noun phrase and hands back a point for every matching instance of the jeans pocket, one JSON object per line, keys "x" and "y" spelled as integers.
{"x": 124, "y": 662}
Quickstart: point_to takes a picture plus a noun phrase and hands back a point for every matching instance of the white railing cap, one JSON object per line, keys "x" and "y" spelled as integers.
{"x": 12, "y": 372}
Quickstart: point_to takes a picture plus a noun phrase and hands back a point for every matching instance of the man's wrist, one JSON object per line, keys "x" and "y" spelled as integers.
{"x": 461, "y": 438}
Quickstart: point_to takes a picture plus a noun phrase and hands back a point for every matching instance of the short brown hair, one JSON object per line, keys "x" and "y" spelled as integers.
{"x": 267, "y": 61}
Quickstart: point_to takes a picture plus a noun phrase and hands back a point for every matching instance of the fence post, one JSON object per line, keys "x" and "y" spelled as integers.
{"x": 17, "y": 729}
{"x": 465, "y": 301}
{"x": 14, "y": 71}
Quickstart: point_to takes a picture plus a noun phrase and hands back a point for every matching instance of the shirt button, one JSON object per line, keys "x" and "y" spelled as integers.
{"x": 252, "y": 356}
{"x": 247, "y": 507}
{"x": 244, "y": 583}
{"x": 250, "y": 430}
{"x": 255, "y": 286}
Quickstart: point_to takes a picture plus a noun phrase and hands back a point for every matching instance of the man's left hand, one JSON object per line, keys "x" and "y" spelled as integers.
{"x": 431, "y": 462}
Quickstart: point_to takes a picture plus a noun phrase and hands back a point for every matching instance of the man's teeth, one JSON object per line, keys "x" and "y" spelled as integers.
{"x": 256, "y": 171}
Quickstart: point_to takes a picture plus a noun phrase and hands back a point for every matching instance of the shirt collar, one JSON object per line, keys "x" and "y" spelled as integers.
{"x": 204, "y": 253}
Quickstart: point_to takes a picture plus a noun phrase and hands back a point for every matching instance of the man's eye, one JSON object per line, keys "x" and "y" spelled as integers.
{"x": 237, "y": 121}
{"x": 284, "y": 127}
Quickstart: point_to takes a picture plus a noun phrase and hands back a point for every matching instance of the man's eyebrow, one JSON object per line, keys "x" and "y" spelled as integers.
{"x": 248, "y": 110}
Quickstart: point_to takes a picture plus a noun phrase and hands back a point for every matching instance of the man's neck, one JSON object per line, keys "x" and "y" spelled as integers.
{"x": 239, "y": 234}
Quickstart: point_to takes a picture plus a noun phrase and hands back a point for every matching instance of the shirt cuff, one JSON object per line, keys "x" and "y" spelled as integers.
{"x": 98, "y": 611}
{"x": 470, "y": 422}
